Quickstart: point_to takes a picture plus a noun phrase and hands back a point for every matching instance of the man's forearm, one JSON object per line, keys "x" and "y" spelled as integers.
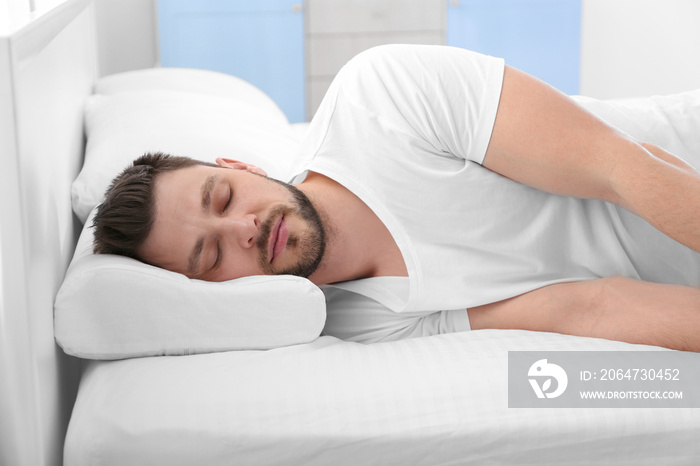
{"x": 647, "y": 313}
{"x": 663, "y": 190}
{"x": 615, "y": 308}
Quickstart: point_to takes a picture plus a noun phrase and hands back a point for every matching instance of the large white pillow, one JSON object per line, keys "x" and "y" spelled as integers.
{"x": 112, "y": 307}
{"x": 124, "y": 126}
{"x": 192, "y": 81}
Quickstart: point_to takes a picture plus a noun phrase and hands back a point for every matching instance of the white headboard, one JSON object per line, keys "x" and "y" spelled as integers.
{"x": 47, "y": 68}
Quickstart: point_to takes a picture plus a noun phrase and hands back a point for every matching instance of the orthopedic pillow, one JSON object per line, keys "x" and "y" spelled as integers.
{"x": 112, "y": 307}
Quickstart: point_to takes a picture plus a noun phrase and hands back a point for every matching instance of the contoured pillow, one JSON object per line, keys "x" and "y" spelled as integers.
{"x": 112, "y": 307}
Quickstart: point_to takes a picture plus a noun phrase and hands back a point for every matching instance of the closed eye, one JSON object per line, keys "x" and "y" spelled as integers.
{"x": 228, "y": 200}
{"x": 217, "y": 261}
{"x": 225, "y": 207}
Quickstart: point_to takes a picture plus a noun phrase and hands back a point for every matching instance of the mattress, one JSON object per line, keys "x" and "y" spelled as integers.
{"x": 438, "y": 400}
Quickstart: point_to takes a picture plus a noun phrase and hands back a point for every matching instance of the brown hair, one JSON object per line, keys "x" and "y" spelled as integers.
{"x": 125, "y": 218}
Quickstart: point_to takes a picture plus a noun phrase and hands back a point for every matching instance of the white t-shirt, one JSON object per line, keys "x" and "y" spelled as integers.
{"x": 405, "y": 128}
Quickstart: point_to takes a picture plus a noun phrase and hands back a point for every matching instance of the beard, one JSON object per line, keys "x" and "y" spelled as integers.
{"x": 310, "y": 243}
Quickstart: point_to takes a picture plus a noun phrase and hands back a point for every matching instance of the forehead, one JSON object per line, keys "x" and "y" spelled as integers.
{"x": 182, "y": 180}
{"x": 177, "y": 204}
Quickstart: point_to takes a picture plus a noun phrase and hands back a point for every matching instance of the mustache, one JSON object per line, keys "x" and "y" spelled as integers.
{"x": 266, "y": 230}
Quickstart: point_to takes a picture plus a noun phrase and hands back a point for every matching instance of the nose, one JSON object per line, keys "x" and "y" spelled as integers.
{"x": 243, "y": 230}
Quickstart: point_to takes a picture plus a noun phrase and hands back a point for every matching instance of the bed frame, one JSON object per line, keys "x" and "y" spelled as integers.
{"x": 47, "y": 68}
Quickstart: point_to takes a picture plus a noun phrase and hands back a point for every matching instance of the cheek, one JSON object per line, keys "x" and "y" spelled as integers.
{"x": 241, "y": 265}
{"x": 170, "y": 243}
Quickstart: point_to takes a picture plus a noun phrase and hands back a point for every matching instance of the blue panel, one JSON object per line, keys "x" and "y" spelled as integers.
{"x": 261, "y": 42}
{"x": 541, "y": 37}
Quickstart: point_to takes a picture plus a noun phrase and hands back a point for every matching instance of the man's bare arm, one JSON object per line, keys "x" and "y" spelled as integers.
{"x": 614, "y": 308}
{"x": 543, "y": 139}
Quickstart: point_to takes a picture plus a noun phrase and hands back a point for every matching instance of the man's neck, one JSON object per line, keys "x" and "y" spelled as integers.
{"x": 359, "y": 245}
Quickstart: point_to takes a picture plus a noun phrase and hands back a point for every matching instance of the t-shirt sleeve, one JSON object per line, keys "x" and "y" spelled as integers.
{"x": 446, "y": 96}
{"x": 355, "y": 317}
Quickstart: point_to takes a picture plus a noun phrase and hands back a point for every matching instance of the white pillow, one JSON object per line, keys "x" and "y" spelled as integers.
{"x": 124, "y": 126}
{"x": 113, "y": 307}
{"x": 192, "y": 81}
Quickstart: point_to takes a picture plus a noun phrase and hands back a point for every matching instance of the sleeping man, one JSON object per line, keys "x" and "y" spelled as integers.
{"x": 439, "y": 190}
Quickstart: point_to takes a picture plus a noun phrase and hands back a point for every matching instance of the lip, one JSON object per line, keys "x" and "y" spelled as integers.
{"x": 278, "y": 238}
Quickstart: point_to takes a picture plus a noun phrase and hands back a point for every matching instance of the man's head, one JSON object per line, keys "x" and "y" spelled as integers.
{"x": 209, "y": 221}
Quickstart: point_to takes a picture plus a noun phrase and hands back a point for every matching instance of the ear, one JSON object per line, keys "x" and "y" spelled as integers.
{"x": 236, "y": 165}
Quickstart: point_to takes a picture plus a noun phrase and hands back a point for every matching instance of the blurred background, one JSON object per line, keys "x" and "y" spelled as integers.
{"x": 291, "y": 49}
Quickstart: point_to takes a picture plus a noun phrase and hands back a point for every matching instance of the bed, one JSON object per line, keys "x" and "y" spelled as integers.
{"x": 310, "y": 399}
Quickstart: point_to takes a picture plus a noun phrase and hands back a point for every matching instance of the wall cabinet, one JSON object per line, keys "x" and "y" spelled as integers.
{"x": 338, "y": 30}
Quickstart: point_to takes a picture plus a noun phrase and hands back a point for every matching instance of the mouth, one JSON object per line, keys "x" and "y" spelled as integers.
{"x": 278, "y": 238}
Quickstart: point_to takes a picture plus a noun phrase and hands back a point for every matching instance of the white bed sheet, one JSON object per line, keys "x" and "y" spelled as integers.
{"x": 439, "y": 400}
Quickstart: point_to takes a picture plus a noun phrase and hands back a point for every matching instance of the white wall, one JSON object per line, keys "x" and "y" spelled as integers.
{"x": 633, "y": 48}
{"x": 127, "y": 35}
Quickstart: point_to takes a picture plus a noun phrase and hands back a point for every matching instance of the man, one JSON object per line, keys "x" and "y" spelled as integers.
{"x": 436, "y": 180}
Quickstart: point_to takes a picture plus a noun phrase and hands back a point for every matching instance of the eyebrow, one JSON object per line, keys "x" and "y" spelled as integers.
{"x": 207, "y": 188}
{"x": 193, "y": 264}
{"x": 195, "y": 257}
